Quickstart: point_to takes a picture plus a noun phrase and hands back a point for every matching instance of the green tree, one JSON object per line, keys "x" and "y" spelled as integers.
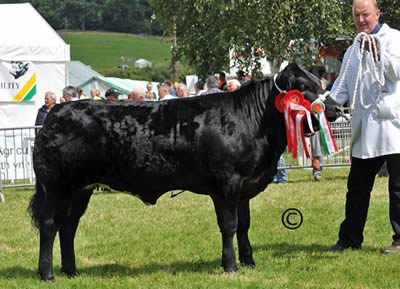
{"x": 131, "y": 16}
{"x": 82, "y": 15}
{"x": 390, "y": 12}
{"x": 284, "y": 29}
{"x": 51, "y": 10}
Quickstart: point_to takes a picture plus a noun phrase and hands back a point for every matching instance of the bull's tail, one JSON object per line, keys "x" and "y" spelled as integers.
{"x": 35, "y": 204}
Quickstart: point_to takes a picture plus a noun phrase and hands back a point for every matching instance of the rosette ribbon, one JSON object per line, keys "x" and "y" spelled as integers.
{"x": 295, "y": 109}
{"x": 327, "y": 140}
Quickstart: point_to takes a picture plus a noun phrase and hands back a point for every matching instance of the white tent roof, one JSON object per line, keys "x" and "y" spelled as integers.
{"x": 25, "y": 35}
{"x": 79, "y": 73}
{"x": 123, "y": 85}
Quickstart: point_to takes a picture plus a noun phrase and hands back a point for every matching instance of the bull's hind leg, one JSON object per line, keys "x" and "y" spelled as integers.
{"x": 226, "y": 211}
{"x": 245, "y": 250}
{"x": 47, "y": 230}
{"x": 68, "y": 227}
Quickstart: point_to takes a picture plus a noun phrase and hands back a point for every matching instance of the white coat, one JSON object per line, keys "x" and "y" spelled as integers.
{"x": 376, "y": 126}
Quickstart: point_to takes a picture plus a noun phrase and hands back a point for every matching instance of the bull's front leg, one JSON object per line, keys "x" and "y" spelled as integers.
{"x": 226, "y": 211}
{"x": 245, "y": 250}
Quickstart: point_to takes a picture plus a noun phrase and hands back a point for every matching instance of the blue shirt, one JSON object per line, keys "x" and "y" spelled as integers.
{"x": 376, "y": 29}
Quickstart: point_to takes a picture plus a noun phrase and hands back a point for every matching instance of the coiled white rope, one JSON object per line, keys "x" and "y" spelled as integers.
{"x": 378, "y": 71}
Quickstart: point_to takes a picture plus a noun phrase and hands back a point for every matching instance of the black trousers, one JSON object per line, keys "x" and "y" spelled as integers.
{"x": 359, "y": 184}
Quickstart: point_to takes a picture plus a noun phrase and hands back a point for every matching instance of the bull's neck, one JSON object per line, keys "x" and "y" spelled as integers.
{"x": 254, "y": 103}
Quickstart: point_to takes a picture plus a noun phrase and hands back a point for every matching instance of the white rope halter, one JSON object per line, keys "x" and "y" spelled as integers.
{"x": 276, "y": 85}
{"x": 377, "y": 69}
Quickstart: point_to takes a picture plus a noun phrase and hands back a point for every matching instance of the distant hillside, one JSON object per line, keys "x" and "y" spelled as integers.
{"x": 103, "y": 50}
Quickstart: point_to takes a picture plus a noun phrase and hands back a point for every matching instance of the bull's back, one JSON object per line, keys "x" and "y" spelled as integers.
{"x": 100, "y": 140}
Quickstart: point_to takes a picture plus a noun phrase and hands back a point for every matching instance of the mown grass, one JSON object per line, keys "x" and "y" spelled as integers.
{"x": 103, "y": 50}
{"x": 121, "y": 243}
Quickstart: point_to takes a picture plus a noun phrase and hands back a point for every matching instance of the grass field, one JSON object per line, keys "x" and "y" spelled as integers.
{"x": 122, "y": 243}
{"x": 104, "y": 50}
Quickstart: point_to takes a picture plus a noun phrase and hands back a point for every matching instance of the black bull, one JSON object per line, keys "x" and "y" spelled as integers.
{"x": 223, "y": 145}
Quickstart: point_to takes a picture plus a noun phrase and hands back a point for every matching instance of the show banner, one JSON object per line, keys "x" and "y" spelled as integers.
{"x": 17, "y": 81}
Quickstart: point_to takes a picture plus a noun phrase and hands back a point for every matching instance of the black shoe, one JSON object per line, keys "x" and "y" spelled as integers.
{"x": 393, "y": 249}
{"x": 337, "y": 248}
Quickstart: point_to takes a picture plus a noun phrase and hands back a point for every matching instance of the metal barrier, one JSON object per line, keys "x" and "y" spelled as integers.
{"x": 341, "y": 130}
{"x": 16, "y": 146}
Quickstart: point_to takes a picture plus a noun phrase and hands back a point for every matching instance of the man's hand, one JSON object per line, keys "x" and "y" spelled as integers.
{"x": 371, "y": 44}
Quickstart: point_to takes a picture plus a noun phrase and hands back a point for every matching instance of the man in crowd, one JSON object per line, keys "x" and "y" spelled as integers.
{"x": 137, "y": 94}
{"x": 232, "y": 85}
{"x": 112, "y": 95}
{"x": 49, "y": 103}
{"x": 69, "y": 94}
{"x": 95, "y": 94}
{"x": 212, "y": 85}
{"x": 181, "y": 90}
{"x": 222, "y": 81}
{"x": 163, "y": 92}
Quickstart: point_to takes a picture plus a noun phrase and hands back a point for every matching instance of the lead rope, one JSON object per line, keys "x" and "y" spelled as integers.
{"x": 377, "y": 70}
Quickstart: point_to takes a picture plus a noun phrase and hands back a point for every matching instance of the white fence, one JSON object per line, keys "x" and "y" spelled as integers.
{"x": 16, "y": 146}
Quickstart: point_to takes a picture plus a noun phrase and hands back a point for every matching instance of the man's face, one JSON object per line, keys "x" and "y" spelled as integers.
{"x": 66, "y": 97}
{"x": 231, "y": 86}
{"x": 181, "y": 91}
{"x": 136, "y": 97}
{"x": 112, "y": 97}
{"x": 48, "y": 101}
{"x": 365, "y": 15}
{"x": 162, "y": 91}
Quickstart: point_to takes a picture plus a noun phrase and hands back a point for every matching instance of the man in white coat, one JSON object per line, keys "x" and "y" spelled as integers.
{"x": 374, "y": 94}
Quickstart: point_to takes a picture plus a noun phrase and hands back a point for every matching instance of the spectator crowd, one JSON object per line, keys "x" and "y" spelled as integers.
{"x": 166, "y": 90}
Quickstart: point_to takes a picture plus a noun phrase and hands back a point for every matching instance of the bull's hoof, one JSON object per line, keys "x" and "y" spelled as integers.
{"x": 248, "y": 262}
{"x": 70, "y": 273}
{"x": 231, "y": 270}
{"x": 47, "y": 277}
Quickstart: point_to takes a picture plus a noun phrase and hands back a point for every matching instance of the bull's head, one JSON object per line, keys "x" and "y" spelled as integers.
{"x": 296, "y": 77}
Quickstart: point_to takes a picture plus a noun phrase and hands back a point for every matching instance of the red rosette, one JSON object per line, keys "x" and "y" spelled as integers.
{"x": 318, "y": 106}
{"x": 294, "y": 113}
{"x": 307, "y": 104}
{"x": 279, "y": 104}
{"x": 293, "y": 96}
